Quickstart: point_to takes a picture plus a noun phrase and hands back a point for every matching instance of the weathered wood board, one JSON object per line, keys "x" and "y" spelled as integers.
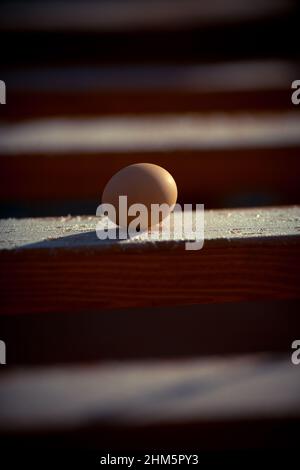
{"x": 56, "y": 265}
{"x": 214, "y": 159}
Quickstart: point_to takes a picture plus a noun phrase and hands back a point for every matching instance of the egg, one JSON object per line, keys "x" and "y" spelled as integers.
{"x": 142, "y": 183}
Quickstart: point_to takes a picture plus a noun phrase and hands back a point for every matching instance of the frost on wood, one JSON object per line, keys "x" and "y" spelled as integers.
{"x": 79, "y": 232}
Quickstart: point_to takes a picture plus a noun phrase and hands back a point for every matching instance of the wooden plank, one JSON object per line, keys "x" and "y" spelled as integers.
{"x": 213, "y": 158}
{"x": 59, "y": 265}
{"x": 43, "y": 103}
{"x": 151, "y": 133}
{"x": 152, "y": 88}
{"x": 197, "y": 396}
{"x": 150, "y": 333}
{"x": 102, "y": 32}
{"x": 132, "y": 15}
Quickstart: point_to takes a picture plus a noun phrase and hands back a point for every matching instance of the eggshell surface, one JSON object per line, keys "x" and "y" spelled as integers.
{"x": 142, "y": 183}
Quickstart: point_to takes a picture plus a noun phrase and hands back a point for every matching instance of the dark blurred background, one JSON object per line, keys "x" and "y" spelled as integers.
{"x": 202, "y": 88}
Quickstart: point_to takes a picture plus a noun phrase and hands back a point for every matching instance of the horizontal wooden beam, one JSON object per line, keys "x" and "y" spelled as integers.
{"x": 42, "y": 104}
{"x": 36, "y": 92}
{"x": 129, "y": 15}
{"x": 184, "y": 402}
{"x": 143, "y": 32}
{"x": 214, "y": 159}
{"x": 59, "y": 265}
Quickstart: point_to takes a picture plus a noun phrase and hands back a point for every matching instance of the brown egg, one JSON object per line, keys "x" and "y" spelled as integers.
{"x": 142, "y": 183}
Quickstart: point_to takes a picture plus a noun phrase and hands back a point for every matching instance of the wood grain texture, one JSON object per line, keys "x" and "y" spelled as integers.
{"x": 215, "y": 158}
{"x": 59, "y": 266}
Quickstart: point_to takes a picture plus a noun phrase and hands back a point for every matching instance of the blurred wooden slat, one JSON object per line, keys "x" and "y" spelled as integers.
{"x": 166, "y": 31}
{"x": 109, "y": 32}
{"x": 213, "y": 159}
{"x": 97, "y": 405}
{"x": 41, "y": 104}
{"x": 59, "y": 265}
{"x": 53, "y": 91}
{"x": 132, "y": 15}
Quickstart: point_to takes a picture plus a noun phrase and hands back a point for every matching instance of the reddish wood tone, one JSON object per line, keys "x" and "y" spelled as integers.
{"x": 201, "y": 176}
{"x": 66, "y": 280}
